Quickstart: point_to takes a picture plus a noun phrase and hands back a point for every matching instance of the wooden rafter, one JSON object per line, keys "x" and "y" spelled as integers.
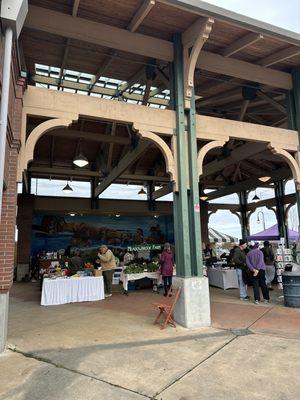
{"x": 241, "y": 44}
{"x": 140, "y": 15}
{"x": 249, "y": 184}
{"x": 271, "y": 101}
{"x": 111, "y": 146}
{"x": 123, "y": 164}
{"x": 68, "y": 42}
{"x": 279, "y": 56}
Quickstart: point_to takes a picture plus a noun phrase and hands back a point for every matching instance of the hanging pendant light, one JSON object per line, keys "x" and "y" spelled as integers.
{"x": 203, "y": 196}
{"x": 80, "y": 160}
{"x": 67, "y": 189}
{"x": 255, "y": 197}
{"x": 142, "y": 192}
{"x": 264, "y": 178}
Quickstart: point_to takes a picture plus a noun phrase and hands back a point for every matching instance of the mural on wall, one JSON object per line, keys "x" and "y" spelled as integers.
{"x": 53, "y": 233}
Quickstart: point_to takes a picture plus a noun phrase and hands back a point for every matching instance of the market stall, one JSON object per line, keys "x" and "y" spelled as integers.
{"x": 72, "y": 290}
{"x": 224, "y": 278}
{"x": 136, "y": 267}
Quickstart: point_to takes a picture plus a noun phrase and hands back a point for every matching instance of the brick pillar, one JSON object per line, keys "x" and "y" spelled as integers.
{"x": 24, "y": 224}
{"x": 8, "y": 222}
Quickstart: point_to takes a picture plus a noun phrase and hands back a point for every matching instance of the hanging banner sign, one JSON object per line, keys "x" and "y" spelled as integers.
{"x": 144, "y": 247}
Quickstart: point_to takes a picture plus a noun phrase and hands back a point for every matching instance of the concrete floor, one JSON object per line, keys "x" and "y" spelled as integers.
{"x": 111, "y": 350}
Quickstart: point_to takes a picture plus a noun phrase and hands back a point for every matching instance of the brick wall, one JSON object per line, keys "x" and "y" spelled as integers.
{"x": 9, "y": 201}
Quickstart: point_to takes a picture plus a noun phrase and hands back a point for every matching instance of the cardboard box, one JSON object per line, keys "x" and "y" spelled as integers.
{"x": 97, "y": 272}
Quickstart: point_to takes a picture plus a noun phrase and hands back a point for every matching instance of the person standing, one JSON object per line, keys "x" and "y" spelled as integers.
{"x": 167, "y": 265}
{"x": 239, "y": 260}
{"x": 255, "y": 262}
{"x": 269, "y": 259}
{"x": 108, "y": 263}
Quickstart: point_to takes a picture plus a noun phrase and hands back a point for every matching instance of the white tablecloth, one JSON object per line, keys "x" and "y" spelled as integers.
{"x": 73, "y": 290}
{"x": 134, "y": 277}
{"x": 222, "y": 278}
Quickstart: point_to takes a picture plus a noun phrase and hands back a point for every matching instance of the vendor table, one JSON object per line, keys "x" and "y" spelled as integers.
{"x": 72, "y": 290}
{"x": 222, "y": 278}
{"x": 134, "y": 277}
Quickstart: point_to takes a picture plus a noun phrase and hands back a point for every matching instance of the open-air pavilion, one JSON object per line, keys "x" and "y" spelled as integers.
{"x": 177, "y": 96}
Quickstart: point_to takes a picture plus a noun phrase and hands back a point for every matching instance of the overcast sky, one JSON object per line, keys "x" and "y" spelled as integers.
{"x": 285, "y": 14}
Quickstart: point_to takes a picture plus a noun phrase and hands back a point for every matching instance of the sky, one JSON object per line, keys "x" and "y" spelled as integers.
{"x": 285, "y": 14}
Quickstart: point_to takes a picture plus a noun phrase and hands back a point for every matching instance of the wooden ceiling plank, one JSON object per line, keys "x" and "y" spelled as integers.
{"x": 279, "y": 56}
{"x": 140, "y": 15}
{"x": 241, "y": 44}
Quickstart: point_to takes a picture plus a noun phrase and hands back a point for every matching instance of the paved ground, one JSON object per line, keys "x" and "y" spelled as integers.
{"x": 111, "y": 350}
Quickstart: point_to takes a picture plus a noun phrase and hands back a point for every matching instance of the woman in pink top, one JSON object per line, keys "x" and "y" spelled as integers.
{"x": 167, "y": 264}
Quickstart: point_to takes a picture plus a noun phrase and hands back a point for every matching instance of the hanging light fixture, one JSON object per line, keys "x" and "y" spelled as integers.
{"x": 80, "y": 160}
{"x": 203, "y": 196}
{"x": 255, "y": 197}
{"x": 142, "y": 192}
{"x": 264, "y": 178}
{"x": 67, "y": 188}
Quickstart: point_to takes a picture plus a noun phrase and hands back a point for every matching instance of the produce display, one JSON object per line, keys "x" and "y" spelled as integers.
{"x": 137, "y": 268}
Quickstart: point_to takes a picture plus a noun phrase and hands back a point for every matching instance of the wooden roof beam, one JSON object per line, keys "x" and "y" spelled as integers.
{"x": 141, "y": 14}
{"x": 237, "y": 155}
{"x": 111, "y": 146}
{"x": 123, "y": 164}
{"x": 57, "y": 23}
{"x": 163, "y": 191}
{"x": 67, "y": 47}
{"x": 279, "y": 56}
{"x": 241, "y": 44}
{"x": 249, "y": 184}
{"x": 271, "y": 101}
{"x": 90, "y": 136}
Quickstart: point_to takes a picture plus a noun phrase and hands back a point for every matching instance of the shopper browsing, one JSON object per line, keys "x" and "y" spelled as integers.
{"x": 108, "y": 265}
{"x": 167, "y": 264}
{"x": 269, "y": 261}
{"x": 239, "y": 260}
{"x": 255, "y": 262}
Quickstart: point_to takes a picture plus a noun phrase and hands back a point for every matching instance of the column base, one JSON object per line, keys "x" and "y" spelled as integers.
{"x": 192, "y": 309}
{"x": 3, "y": 319}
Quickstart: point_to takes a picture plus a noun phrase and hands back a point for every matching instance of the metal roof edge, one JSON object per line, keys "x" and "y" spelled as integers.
{"x": 202, "y": 8}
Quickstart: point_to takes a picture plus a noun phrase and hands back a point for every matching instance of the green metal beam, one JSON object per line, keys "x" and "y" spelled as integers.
{"x": 194, "y": 200}
{"x": 181, "y": 214}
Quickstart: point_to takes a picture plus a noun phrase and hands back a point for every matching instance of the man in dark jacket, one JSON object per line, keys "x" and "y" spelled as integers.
{"x": 239, "y": 260}
{"x": 269, "y": 261}
{"x": 255, "y": 262}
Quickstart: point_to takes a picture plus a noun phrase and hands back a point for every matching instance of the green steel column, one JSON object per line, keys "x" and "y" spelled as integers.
{"x": 181, "y": 214}
{"x": 293, "y": 107}
{"x": 194, "y": 200}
